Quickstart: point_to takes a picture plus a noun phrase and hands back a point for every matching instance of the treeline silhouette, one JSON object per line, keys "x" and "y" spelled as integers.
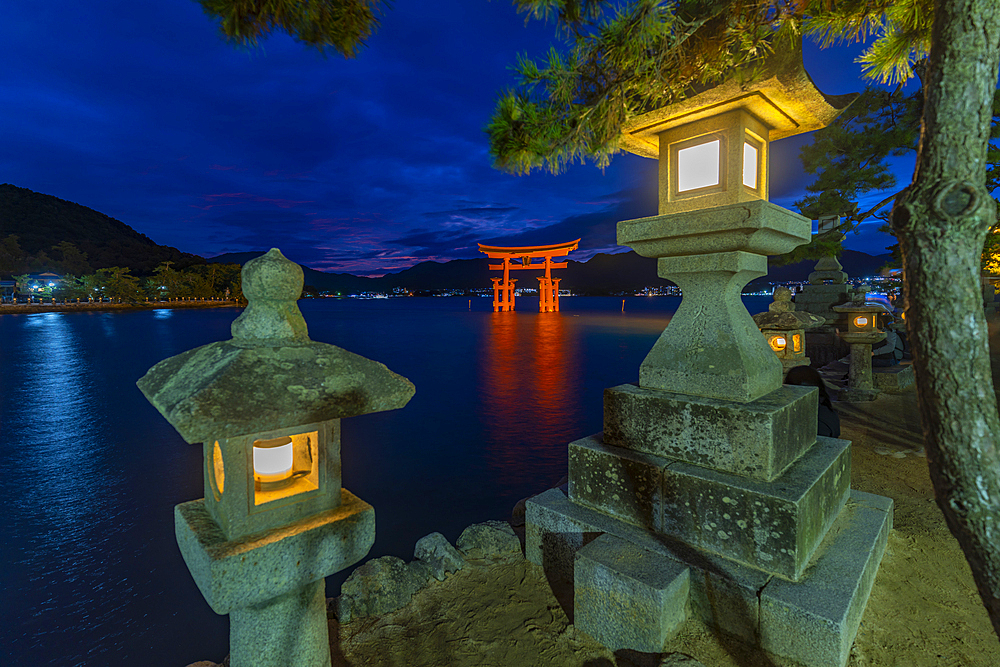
{"x": 117, "y": 284}
{"x": 44, "y": 233}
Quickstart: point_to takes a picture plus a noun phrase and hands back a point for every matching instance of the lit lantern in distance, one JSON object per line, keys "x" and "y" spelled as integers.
{"x": 862, "y": 322}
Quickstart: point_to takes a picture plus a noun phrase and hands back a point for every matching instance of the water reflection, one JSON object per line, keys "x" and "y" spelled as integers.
{"x": 66, "y": 485}
{"x": 529, "y": 394}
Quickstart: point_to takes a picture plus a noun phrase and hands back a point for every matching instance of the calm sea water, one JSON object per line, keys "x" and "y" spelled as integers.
{"x": 89, "y": 570}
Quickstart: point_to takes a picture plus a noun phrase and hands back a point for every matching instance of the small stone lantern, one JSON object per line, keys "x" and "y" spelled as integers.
{"x": 274, "y": 521}
{"x": 861, "y": 335}
{"x": 784, "y": 329}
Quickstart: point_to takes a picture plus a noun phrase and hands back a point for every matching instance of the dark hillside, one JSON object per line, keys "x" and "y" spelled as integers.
{"x": 42, "y": 221}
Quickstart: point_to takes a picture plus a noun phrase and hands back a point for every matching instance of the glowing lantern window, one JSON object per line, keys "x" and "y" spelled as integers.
{"x": 272, "y": 460}
{"x": 285, "y": 466}
{"x": 750, "y": 165}
{"x": 698, "y": 166}
{"x": 778, "y": 343}
{"x": 861, "y": 321}
{"x": 796, "y": 343}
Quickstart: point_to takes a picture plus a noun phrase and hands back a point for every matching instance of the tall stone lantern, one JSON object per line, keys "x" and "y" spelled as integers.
{"x": 274, "y": 521}
{"x": 709, "y": 494}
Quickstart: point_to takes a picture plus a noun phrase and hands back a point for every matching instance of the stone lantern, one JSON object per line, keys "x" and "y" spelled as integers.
{"x": 861, "y": 334}
{"x": 709, "y": 494}
{"x": 784, "y": 329}
{"x": 274, "y": 521}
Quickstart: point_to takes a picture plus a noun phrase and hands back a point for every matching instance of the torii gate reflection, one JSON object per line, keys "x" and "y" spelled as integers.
{"x": 548, "y": 287}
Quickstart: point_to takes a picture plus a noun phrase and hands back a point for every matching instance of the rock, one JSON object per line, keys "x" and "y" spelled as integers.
{"x": 439, "y": 555}
{"x": 421, "y": 572}
{"x": 490, "y": 540}
{"x": 203, "y": 663}
{"x": 378, "y": 587}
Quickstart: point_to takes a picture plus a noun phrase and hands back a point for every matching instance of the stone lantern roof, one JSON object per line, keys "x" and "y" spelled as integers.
{"x": 782, "y": 316}
{"x": 782, "y": 95}
{"x": 270, "y": 375}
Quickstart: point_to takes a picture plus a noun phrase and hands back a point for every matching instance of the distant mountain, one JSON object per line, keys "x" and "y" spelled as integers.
{"x": 601, "y": 274}
{"x": 333, "y": 282}
{"x": 42, "y": 221}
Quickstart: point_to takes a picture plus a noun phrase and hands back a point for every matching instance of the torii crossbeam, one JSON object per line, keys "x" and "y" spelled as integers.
{"x": 548, "y": 287}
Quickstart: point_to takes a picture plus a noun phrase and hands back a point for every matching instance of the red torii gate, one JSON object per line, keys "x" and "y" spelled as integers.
{"x": 548, "y": 287}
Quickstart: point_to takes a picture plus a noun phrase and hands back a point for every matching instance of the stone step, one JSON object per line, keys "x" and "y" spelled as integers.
{"x": 772, "y": 526}
{"x": 813, "y": 621}
{"x": 894, "y": 379}
{"x": 758, "y": 439}
{"x": 626, "y": 597}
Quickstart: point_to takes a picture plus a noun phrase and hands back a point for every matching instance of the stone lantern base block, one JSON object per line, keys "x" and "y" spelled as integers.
{"x": 759, "y": 439}
{"x": 812, "y": 622}
{"x": 288, "y": 630}
{"x": 893, "y": 379}
{"x": 774, "y": 527}
{"x": 628, "y": 598}
{"x": 816, "y": 624}
{"x": 251, "y": 571}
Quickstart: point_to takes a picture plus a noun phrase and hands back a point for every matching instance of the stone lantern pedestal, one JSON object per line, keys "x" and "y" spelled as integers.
{"x": 709, "y": 494}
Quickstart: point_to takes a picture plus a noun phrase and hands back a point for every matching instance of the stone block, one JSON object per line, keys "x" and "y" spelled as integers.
{"x": 723, "y": 593}
{"x": 758, "y": 439}
{"x": 620, "y": 482}
{"x": 815, "y": 621}
{"x": 380, "y": 586}
{"x": 489, "y": 540}
{"x": 626, "y": 597}
{"x": 437, "y": 552}
{"x": 774, "y": 527}
{"x": 254, "y": 569}
{"x": 893, "y": 379}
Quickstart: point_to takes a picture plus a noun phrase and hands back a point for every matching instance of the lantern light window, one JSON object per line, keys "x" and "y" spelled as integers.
{"x": 860, "y": 321}
{"x": 778, "y": 343}
{"x": 698, "y": 166}
{"x": 272, "y": 459}
{"x": 796, "y": 343}
{"x": 750, "y": 165}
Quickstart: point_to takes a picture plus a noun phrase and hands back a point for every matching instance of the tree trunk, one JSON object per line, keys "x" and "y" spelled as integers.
{"x": 941, "y": 222}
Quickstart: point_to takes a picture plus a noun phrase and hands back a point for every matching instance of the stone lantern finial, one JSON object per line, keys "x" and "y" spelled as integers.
{"x": 782, "y": 301}
{"x": 272, "y": 285}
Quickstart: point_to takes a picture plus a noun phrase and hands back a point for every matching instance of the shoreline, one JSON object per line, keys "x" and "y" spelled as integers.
{"x": 29, "y": 308}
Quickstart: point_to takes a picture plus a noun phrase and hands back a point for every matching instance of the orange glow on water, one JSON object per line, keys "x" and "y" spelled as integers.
{"x": 530, "y": 384}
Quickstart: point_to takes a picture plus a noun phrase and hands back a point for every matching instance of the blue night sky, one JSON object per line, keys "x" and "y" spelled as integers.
{"x": 140, "y": 110}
